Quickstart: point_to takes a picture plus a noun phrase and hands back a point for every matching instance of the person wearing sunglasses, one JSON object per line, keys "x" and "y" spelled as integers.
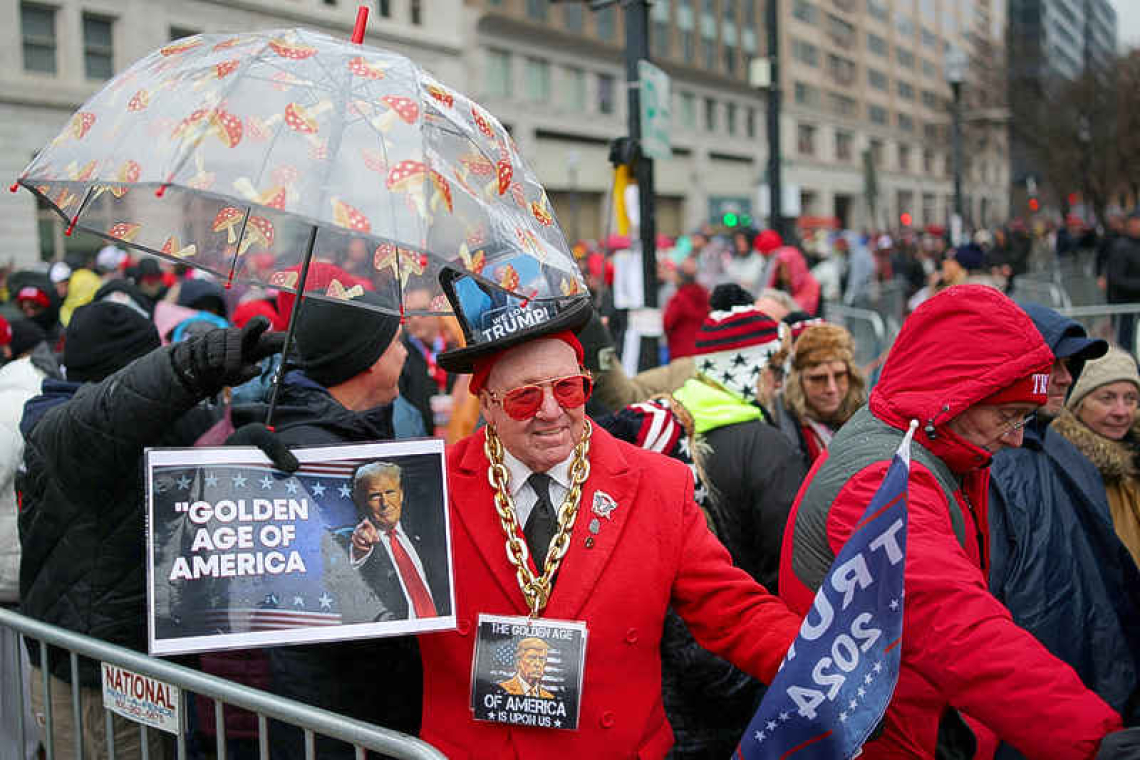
{"x": 968, "y": 366}
{"x": 542, "y": 493}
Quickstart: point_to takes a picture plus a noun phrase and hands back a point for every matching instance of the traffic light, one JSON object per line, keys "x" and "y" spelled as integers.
{"x": 730, "y": 219}
{"x": 905, "y": 219}
{"x": 1034, "y": 205}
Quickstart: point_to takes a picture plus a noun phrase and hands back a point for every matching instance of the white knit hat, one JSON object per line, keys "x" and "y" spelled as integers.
{"x": 1115, "y": 366}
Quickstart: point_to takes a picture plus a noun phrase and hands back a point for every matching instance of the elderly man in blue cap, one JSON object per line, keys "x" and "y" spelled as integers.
{"x": 1056, "y": 562}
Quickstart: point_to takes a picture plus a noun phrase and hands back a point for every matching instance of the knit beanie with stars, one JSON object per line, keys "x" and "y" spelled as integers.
{"x": 733, "y": 348}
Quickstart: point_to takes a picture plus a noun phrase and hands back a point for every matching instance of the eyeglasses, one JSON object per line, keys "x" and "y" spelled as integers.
{"x": 523, "y": 402}
{"x": 1012, "y": 423}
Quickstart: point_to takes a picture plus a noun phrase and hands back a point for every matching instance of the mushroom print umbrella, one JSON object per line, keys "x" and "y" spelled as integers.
{"x": 247, "y": 155}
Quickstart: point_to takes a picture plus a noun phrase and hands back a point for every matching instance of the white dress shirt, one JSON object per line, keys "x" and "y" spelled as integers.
{"x": 402, "y": 537}
{"x": 524, "y": 496}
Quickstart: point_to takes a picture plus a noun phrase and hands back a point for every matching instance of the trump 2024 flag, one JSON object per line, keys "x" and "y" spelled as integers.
{"x": 839, "y": 675}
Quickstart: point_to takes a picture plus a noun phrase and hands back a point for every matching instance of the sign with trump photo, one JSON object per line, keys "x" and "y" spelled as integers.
{"x": 355, "y": 544}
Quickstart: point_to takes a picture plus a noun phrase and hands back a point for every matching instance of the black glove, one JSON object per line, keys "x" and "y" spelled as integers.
{"x": 219, "y": 358}
{"x": 1120, "y": 745}
{"x": 256, "y": 434}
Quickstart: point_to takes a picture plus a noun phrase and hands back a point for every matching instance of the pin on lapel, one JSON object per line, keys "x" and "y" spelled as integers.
{"x": 595, "y": 526}
{"x": 604, "y": 504}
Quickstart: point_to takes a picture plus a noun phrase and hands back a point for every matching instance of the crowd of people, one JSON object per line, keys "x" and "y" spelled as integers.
{"x": 737, "y": 467}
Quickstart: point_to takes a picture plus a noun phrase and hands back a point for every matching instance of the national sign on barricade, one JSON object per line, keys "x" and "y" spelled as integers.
{"x": 840, "y": 673}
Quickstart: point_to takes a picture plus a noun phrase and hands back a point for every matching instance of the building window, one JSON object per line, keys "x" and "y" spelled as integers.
{"x": 879, "y": 10}
{"x": 730, "y": 117}
{"x": 842, "y": 70}
{"x": 906, "y": 123}
{"x": 575, "y": 89}
{"x": 498, "y": 73}
{"x": 605, "y": 20}
{"x": 840, "y": 32}
{"x": 844, "y": 142}
{"x": 572, "y": 16}
{"x": 905, "y": 58}
{"x": 687, "y": 46}
{"x": 805, "y": 52}
{"x": 536, "y": 80}
{"x": 606, "y": 101}
{"x": 536, "y": 9}
{"x": 710, "y": 115}
{"x": 805, "y": 139}
{"x": 660, "y": 37}
{"x": 708, "y": 44}
{"x": 931, "y": 132}
{"x": 384, "y": 8}
{"x": 929, "y": 69}
{"x": 878, "y": 114}
{"x": 877, "y": 153}
{"x": 877, "y": 44}
{"x": 806, "y": 95}
{"x": 930, "y": 100}
{"x": 688, "y": 110}
{"x": 928, "y": 210}
{"x": 929, "y": 39}
{"x": 98, "y": 49}
{"x": 37, "y": 28}
{"x": 804, "y": 11}
{"x": 178, "y": 32}
{"x": 877, "y": 79}
{"x": 904, "y": 158}
{"x": 928, "y": 162}
{"x": 750, "y": 123}
{"x": 906, "y": 90}
{"x": 842, "y": 105}
{"x": 905, "y": 25}
{"x": 416, "y": 12}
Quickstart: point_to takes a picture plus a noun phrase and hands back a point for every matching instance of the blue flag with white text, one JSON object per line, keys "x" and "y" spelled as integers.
{"x": 838, "y": 676}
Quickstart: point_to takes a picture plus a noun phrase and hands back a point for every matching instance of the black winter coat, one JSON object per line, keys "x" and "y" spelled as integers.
{"x": 1123, "y": 271}
{"x": 754, "y": 473}
{"x": 377, "y": 680}
{"x": 82, "y": 521}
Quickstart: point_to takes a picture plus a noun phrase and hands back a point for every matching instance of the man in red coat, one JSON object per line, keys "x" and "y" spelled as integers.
{"x": 627, "y": 543}
{"x": 969, "y": 366}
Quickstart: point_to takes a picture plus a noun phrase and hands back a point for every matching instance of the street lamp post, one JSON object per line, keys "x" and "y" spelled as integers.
{"x": 956, "y": 74}
{"x": 775, "y": 178}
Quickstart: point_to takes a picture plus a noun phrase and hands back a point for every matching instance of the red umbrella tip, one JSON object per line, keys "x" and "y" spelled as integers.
{"x": 361, "y": 22}
{"x": 161, "y": 191}
{"x": 15, "y": 186}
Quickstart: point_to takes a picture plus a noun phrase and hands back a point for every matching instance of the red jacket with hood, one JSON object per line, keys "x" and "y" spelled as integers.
{"x": 684, "y": 316}
{"x": 961, "y": 648}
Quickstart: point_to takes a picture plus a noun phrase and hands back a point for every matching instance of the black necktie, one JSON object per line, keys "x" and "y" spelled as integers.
{"x": 541, "y": 524}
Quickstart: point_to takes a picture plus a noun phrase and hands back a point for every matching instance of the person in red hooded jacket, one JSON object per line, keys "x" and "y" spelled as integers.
{"x": 969, "y": 366}
{"x": 686, "y": 311}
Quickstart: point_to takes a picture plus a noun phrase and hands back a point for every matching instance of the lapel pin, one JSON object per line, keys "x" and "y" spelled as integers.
{"x": 589, "y": 542}
{"x": 604, "y": 504}
{"x": 595, "y": 526}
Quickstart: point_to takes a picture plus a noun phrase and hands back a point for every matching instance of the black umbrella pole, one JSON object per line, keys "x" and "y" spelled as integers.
{"x": 292, "y": 327}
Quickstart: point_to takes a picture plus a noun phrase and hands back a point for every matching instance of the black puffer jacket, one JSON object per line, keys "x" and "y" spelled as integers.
{"x": 375, "y": 680}
{"x": 82, "y": 519}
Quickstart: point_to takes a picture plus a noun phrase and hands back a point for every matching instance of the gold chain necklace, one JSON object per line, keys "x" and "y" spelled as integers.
{"x": 536, "y": 590}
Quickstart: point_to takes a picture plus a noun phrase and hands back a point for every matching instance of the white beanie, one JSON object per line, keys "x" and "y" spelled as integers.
{"x": 1115, "y": 366}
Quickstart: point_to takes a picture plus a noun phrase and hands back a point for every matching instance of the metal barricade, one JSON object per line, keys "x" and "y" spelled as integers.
{"x": 312, "y": 720}
{"x": 1047, "y": 293}
{"x": 868, "y": 330}
{"x": 1100, "y": 320}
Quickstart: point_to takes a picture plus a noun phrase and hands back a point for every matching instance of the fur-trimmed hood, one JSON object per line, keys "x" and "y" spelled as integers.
{"x": 1114, "y": 460}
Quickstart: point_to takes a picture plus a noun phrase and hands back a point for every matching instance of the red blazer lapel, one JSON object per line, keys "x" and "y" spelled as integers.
{"x": 582, "y": 567}
{"x": 472, "y": 501}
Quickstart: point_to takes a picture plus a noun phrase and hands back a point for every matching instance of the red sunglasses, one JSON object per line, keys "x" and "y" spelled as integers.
{"x": 523, "y": 402}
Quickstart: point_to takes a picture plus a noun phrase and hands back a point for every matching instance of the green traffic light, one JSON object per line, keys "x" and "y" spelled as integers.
{"x": 730, "y": 219}
{"x": 745, "y": 221}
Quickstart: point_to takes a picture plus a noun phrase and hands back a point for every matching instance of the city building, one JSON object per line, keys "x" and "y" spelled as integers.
{"x": 1052, "y": 42}
{"x": 54, "y": 55}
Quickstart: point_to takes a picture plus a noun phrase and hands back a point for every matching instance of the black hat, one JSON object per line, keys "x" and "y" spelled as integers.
{"x": 148, "y": 268}
{"x": 337, "y": 340}
{"x": 204, "y": 295}
{"x": 494, "y": 319}
{"x": 126, "y": 293}
{"x": 103, "y": 337}
{"x": 26, "y": 334}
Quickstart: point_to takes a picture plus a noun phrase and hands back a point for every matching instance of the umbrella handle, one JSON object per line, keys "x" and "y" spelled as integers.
{"x": 279, "y": 374}
{"x": 361, "y": 22}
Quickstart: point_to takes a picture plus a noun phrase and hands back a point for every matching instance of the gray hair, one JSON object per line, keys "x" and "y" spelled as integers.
{"x": 780, "y": 297}
{"x": 375, "y": 469}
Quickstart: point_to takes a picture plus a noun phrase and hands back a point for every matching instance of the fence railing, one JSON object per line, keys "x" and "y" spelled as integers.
{"x": 312, "y": 720}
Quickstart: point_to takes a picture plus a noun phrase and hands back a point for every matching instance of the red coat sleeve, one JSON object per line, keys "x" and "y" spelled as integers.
{"x": 727, "y": 612}
{"x": 964, "y": 642}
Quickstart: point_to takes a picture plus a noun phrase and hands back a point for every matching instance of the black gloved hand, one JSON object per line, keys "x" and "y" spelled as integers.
{"x": 1120, "y": 745}
{"x": 256, "y": 434}
{"x": 219, "y": 358}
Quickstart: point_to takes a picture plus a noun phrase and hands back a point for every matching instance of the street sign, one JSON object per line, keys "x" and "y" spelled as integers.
{"x": 789, "y": 208}
{"x": 655, "y": 111}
